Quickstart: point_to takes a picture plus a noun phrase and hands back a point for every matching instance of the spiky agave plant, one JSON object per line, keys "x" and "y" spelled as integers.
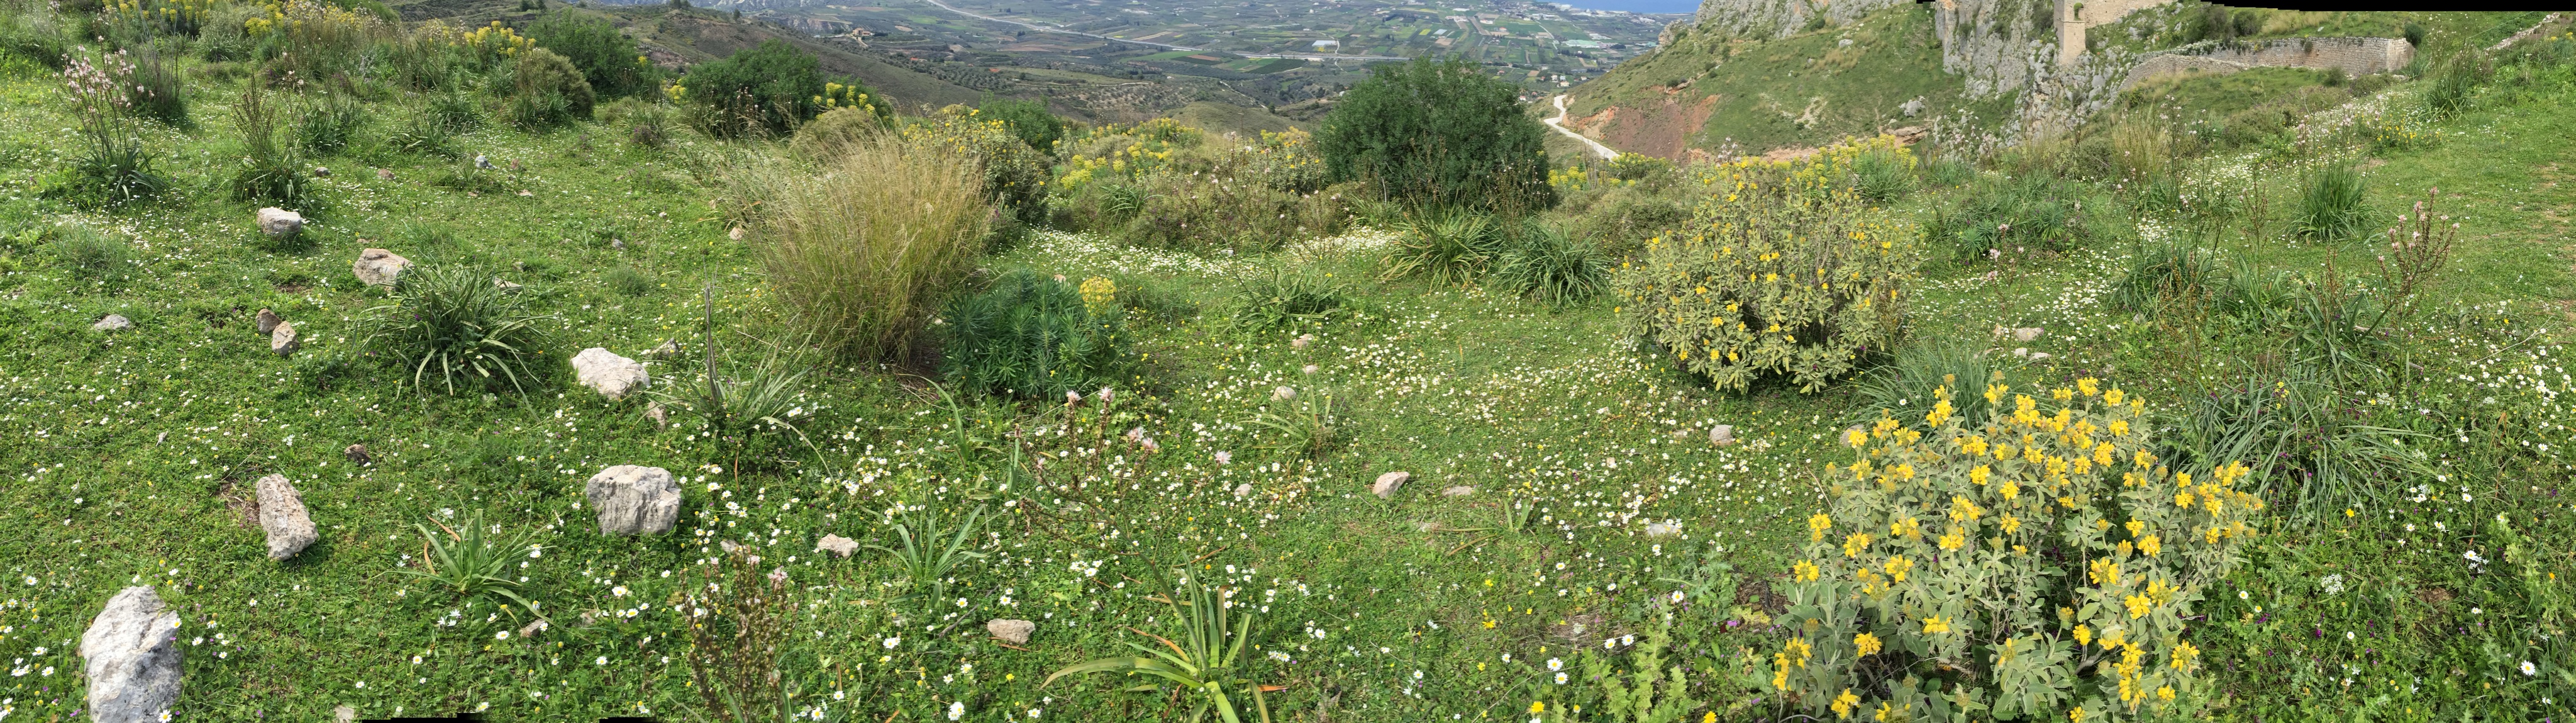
{"x": 1205, "y": 665}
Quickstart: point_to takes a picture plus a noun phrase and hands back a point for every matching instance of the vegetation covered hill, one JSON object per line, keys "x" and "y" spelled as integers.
{"x": 919, "y": 376}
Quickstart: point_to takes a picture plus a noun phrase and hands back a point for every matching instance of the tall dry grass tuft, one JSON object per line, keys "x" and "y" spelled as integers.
{"x": 863, "y": 248}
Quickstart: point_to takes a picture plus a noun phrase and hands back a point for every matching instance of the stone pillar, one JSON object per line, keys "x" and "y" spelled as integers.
{"x": 2070, "y": 33}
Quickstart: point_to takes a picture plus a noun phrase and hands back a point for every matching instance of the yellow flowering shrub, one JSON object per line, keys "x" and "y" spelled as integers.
{"x": 311, "y": 41}
{"x": 1783, "y": 270}
{"x": 1015, "y": 176}
{"x": 2021, "y": 563}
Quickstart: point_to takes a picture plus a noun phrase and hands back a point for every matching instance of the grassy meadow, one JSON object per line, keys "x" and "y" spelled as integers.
{"x": 1568, "y": 527}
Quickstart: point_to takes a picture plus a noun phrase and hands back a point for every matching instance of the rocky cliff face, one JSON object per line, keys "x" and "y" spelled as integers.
{"x": 1778, "y": 18}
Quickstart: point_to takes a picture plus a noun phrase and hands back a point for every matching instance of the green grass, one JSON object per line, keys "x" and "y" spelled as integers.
{"x": 129, "y": 458}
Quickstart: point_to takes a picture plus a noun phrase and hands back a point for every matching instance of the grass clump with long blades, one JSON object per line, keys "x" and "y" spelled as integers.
{"x": 1205, "y": 666}
{"x": 457, "y": 331}
{"x": 474, "y": 560}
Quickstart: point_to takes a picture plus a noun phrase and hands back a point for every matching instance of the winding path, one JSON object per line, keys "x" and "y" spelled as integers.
{"x": 1558, "y": 123}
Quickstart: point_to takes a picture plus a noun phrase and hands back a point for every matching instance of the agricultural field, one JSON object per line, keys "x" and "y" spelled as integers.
{"x": 459, "y": 380}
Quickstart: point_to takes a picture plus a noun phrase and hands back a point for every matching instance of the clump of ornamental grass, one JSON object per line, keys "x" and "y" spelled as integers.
{"x": 1547, "y": 265}
{"x": 863, "y": 250}
{"x": 453, "y": 330}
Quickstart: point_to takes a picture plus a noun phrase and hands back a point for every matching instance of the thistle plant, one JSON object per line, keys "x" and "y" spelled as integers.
{"x": 1206, "y": 666}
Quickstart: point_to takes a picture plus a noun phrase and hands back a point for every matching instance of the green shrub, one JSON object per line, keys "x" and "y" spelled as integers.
{"x": 836, "y": 130}
{"x": 424, "y": 134}
{"x": 1638, "y": 166}
{"x": 155, "y": 90}
{"x": 863, "y": 251}
{"x": 455, "y": 110}
{"x": 762, "y": 90}
{"x": 2167, "y": 273}
{"x": 1014, "y": 174}
{"x": 608, "y": 60}
{"x": 35, "y": 36}
{"x": 1210, "y": 211}
{"x": 270, "y": 171}
{"x": 1790, "y": 276}
{"x": 1884, "y": 176}
{"x": 89, "y": 255}
{"x": 452, "y": 329}
{"x": 1948, "y": 172}
{"x": 2453, "y": 84}
{"x": 1439, "y": 133}
{"x": 2331, "y": 207}
{"x": 2311, "y": 444}
{"x": 628, "y": 281}
{"x": 330, "y": 123}
{"x": 2031, "y": 545}
{"x": 1621, "y": 222}
{"x": 1029, "y": 120}
{"x": 1907, "y": 387}
{"x": 1033, "y": 337}
{"x": 546, "y": 90}
{"x": 308, "y": 41}
{"x": 1547, "y": 265}
{"x": 1286, "y": 300}
{"x": 1446, "y": 248}
{"x": 646, "y": 123}
{"x": 2011, "y": 216}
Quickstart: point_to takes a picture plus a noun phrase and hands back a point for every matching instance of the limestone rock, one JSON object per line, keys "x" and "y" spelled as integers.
{"x": 837, "y": 545}
{"x": 1721, "y": 435}
{"x": 1911, "y": 108}
{"x": 1662, "y": 529}
{"x": 132, "y": 649}
{"x": 281, "y": 513}
{"x": 1388, "y": 483}
{"x": 344, "y": 714}
{"x": 279, "y": 222}
{"x": 357, "y": 454}
{"x": 378, "y": 267}
{"x": 2027, "y": 333}
{"x": 1015, "y": 632}
{"x": 1458, "y": 491}
{"x": 612, "y": 375}
{"x": 667, "y": 350}
{"x": 283, "y": 339}
{"x": 113, "y": 322}
{"x": 634, "y": 500}
{"x": 661, "y": 417}
{"x": 498, "y": 283}
{"x": 1243, "y": 490}
{"x": 383, "y": 174}
{"x": 533, "y": 627}
{"x": 267, "y": 320}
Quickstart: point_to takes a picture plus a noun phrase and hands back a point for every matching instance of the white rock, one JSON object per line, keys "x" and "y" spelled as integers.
{"x": 378, "y": 267}
{"x": 113, "y": 322}
{"x": 1721, "y": 435}
{"x": 497, "y": 283}
{"x": 267, "y": 321}
{"x": 837, "y": 545}
{"x": 2028, "y": 333}
{"x": 344, "y": 714}
{"x": 1458, "y": 491}
{"x": 1388, "y": 483}
{"x": 2036, "y": 356}
{"x": 533, "y": 627}
{"x": 1911, "y": 108}
{"x": 634, "y": 500}
{"x": 132, "y": 649}
{"x": 282, "y": 340}
{"x": 282, "y": 515}
{"x": 279, "y": 222}
{"x": 2021, "y": 351}
{"x": 1015, "y": 632}
{"x": 1243, "y": 490}
{"x": 612, "y": 375}
{"x": 1659, "y": 529}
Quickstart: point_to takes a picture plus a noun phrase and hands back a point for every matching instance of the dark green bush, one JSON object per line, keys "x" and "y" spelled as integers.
{"x": 1439, "y": 133}
{"x": 1621, "y": 223}
{"x": 1029, "y": 120}
{"x": 763, "y": 90}
{"x": 1033, "y": 337}
{"x": 608, "y": 59}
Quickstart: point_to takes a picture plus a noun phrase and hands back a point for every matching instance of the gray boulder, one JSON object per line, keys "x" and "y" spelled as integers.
{"x": 132, "y": 649}
{"x": 279, "y": 222}
{"x": 378, "y": 267}
{"x": 113, "y": 322}
{"x": 837, "y": 545}
{"x": 1388, "y": 483}
{"x": 633, "y": 500}
{"x": 612, "y": 375}
{"x": 1721, "y": 435}
{"x": 283, "y": 340}
{"x": 267, "y": 321}
{"x": 1458, "y": 491}
{"x": 1015, "y": 632}
{"x": 281, "y": 513}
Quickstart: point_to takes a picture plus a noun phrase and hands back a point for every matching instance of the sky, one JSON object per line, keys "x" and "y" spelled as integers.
{"x": 1637, "y": 6}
